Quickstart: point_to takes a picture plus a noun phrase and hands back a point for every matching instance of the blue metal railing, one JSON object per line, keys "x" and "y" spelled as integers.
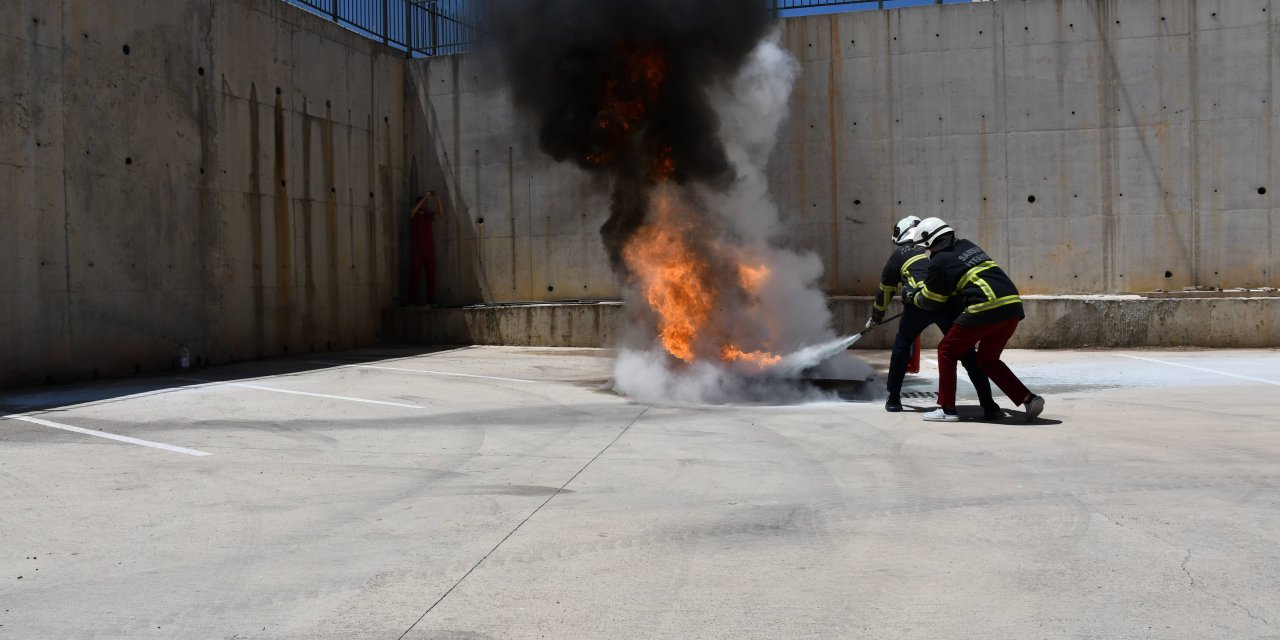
{"x": 437, "y": 27}
{"x": 419, "y": 27}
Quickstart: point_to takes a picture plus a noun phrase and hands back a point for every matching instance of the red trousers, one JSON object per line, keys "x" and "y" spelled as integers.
{"x": 990, "y": 340}
{"x": 422, "y": 262}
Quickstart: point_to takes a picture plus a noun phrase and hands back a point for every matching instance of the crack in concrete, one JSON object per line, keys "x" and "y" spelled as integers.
{"x": 1191, "y": 577}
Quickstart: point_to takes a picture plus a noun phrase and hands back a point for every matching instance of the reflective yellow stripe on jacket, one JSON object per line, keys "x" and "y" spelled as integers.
{"x": 972, "y": 277}
{"x": 887, "y": 292}
{"x": 906, "y": 270}
{"x": 992, "y": 304}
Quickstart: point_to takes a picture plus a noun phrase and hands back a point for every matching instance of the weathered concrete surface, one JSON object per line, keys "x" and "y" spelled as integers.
{"x": 1144, "y": 131}
{"x": 1053, "y": 322}
{"x": 1144, "y": 504}
{"x": 220, "y": 173}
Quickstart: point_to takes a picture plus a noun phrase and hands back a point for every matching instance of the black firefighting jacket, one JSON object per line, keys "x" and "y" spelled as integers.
{"x": 965, "y": 272}
{"x": 907, "y": 267}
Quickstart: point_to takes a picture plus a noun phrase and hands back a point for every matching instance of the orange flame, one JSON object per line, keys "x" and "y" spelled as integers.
{"x": 673, "y": 280}
{"x": 762, "y": 359}
{"x": 752, "y": 277}
{"x": 676, "y": 283}
{"x": 628, "y": 97}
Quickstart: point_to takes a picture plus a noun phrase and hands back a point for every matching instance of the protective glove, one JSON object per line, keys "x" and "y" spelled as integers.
{"x": 871, "y": 322}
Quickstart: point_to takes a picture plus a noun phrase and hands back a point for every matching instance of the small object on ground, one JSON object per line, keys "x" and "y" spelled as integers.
{"x": 1034, "y": 405}
{"x": 893, "y": 404}
{"x": 941, "y": 415}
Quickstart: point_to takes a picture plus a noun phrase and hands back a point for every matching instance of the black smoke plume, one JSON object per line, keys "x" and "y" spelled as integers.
{"x": 621, "y": 87}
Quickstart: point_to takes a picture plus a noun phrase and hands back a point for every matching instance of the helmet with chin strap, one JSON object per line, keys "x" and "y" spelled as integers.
{"x": 931, "y": 232}
{"x": 902, "y": 232}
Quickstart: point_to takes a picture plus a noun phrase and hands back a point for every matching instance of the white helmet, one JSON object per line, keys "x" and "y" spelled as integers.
{"x": 902, "y": 231}
{"x": 931, "y": 231}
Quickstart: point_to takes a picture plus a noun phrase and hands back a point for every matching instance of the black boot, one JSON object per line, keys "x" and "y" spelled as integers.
{"x": 893, "y": 404}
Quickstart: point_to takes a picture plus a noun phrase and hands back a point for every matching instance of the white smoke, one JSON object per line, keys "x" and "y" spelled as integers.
{"x": 792, "y": 311}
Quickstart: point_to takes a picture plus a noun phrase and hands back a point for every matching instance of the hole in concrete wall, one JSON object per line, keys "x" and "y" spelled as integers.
{"x": 277, "y": 90}
{"x": 201, "y": 170}
{"x": 979, "y": 33}
{"x": 35, "y": 21}
{"x": 86, "y": 35}
{"x": 1262, "y": 191}
{"x": 550, "y": 288}
{"x": 200, "y": 71}
{"x": 480, "y": 221}
{"x": 1168, "y": 274}
{"x": 333, "y": 189}
{"x": 126, "y": 49}
{"x": 1031, "y": 199}
{"x": 128, "y": 160}
{"x": 284, "y": 183}
{"x": 328, "y": 104}
{"x": 857, "y": 203}
{"x": 1214, "y": 14}
{"x": 1072, "y": 25}
{"x": 1031, "y": 277}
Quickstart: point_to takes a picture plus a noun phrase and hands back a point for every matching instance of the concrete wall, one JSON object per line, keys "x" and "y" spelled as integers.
{"x": 217, "y": 172}
{"x": 1053, "y": 322}
{"x": 1143, "y": 129}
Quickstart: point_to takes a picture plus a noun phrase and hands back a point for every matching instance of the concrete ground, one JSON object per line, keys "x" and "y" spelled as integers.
{"x": 501, "y": 493}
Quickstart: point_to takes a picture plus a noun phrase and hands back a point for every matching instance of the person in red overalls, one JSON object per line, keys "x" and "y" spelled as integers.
{"x": 422, "y": 248}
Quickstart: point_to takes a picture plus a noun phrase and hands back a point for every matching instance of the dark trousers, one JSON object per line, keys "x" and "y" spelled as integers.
{"x": 990, "y": 340}
{"x": 913, "y": 322}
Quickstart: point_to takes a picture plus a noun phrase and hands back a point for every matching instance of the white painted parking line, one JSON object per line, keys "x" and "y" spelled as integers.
{"x": 1187, "y": 366}
{"x": 429, "y": 372}
{"x": 306, "y": 393}
{"x": 109, "y": 436}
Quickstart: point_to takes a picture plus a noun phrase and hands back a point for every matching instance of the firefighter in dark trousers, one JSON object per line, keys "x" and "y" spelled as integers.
{"x": 907, "y": 267}
{"x": 990, "y": 311}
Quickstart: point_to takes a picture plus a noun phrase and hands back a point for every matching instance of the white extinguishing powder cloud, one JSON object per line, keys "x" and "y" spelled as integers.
{"x": 791, "y": 309}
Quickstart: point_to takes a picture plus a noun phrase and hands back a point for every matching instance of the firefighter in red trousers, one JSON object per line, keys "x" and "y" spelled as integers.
{"x": 991, "y": 310}
{"x": 907, "y": 266}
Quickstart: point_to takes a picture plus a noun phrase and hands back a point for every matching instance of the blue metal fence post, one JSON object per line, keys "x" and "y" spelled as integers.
{"x": 408, "y": 27}
{"x": 386, "y": 27}
{"x": 334, "y": 10}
